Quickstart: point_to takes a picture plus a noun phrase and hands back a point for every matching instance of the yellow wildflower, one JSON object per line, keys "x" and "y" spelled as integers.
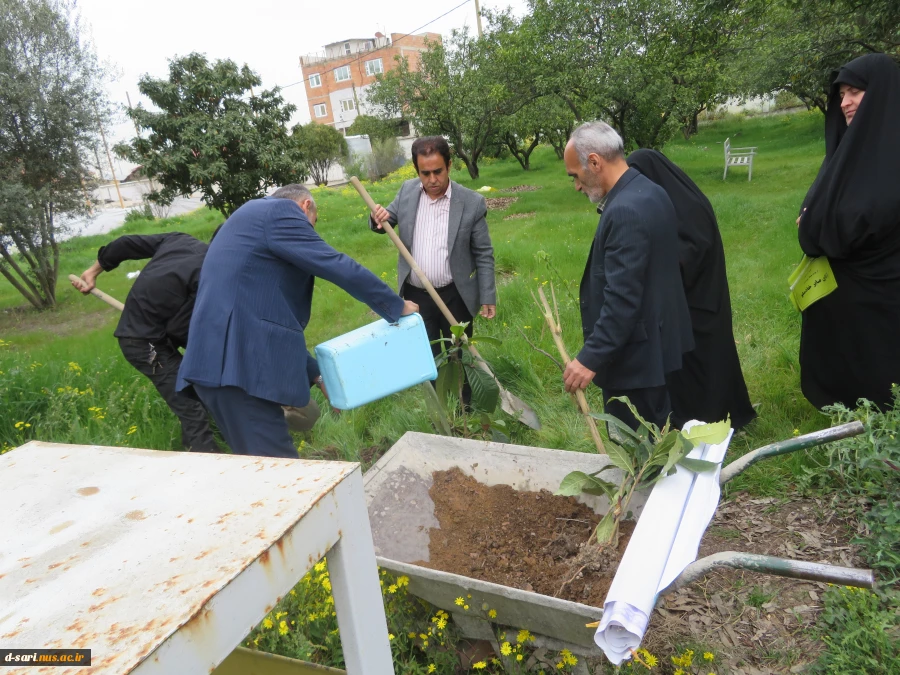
{"x": 132, "y": 429}
{"x": 524, "y": 636}
{"x": 320, "y": 566}
{"x": 506, "y": 649}
{"x": 708, "y": 656}
{"x": 560, "y": 665}
{"x": 459, "y": 602}
{"x": 402, "y": 581}
{"x": 411, "y": 634}
{"x": 392, "y": 588}
{"x": 283, "y": 628}
{"x": 466, "y": 607}
{"x": 391, "y": 636}
{"x": 481, "y": 665}
{"x": 493, "y": 614}
{"x": 442, "y": 623}
{"x": 431, "y": 667}
{"x": 519, "y": 657}
{"x": 568, "y": 658}
{"x": 267, "y": 623}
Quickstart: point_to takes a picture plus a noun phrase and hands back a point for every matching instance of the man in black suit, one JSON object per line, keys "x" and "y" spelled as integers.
{"x": 633, "y": 310}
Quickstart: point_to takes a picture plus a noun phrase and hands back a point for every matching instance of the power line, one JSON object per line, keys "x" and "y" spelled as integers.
{"x": 361, "y": 54}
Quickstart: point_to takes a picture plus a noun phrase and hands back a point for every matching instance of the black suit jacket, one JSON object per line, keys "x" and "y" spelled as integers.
{"x": 633, "y": 311}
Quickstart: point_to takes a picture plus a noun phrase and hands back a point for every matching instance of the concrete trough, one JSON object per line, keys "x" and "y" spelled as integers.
{"x": 402, "y": 513}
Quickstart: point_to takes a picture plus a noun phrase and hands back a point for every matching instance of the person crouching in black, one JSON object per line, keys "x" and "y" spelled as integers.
{"x": 157, "y": 314}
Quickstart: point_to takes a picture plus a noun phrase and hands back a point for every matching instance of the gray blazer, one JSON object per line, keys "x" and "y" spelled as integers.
{"x": 468, "y": 240}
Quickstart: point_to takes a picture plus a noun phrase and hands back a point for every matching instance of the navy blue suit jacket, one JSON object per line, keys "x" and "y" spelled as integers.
{"x": 254, "y": 299}
{"x": 634, "y": 314}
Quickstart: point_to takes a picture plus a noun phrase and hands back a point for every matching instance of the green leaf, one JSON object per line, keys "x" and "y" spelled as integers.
{"x": 676, "y": 453}
{"x": 606, "y": 527}
{"x": 572, "y": 484}
{"x": 620, "y": 457}
{"x": 619, "y": 424}
{"x": 661, "y": 450}
{"x": 601, "y": 488}
{"x": 458, "y": 330}
{"x": 712, "y": 434}
{"x": 637, "y": 415}
{"x": 485, "y": 390}
{"x": 447, "y": 381}
{"x": 697, "y": 465}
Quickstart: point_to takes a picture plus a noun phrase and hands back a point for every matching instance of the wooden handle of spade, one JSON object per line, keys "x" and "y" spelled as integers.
{"x": 112, "y": 302}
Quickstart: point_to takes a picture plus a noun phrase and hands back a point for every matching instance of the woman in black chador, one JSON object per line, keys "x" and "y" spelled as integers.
{"x": 710, "y": 384}
{"x": 850, "y": 341}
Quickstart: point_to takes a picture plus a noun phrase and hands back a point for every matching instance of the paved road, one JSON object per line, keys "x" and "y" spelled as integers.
{"x": 109, "y": 218}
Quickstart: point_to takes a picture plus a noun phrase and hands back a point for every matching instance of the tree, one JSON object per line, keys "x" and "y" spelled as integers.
{"x": 212, "y": 134}
{"x": 51, "y": 103}
{"x": 460, "y": 91}
{"x": 646, "y": 66}
{"x": 796, "y": 45}
{"x": 375, "y": 128}
{"x": 322, "y": 145}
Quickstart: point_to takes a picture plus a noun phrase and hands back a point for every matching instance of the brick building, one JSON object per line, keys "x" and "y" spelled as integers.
{"x": 337, "y": 79}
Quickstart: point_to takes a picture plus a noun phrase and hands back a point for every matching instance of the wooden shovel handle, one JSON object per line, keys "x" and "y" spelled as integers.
{"x": 407, "y": 256}
{"x": 112, "y": 302}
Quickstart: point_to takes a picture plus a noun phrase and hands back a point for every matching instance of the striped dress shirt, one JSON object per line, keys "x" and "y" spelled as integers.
{"x": 429, "y": 247}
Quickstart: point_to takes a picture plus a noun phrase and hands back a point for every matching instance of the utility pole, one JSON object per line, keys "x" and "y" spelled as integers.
{"x": 138, "y": 134}
{"x": 478, "y": 16}
{"x": 109, "y": 158}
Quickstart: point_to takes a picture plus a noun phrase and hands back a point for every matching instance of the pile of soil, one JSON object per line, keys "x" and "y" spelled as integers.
{"x": 534, "y": 541}
{"x": 521, "y": 188}
{"x": 500, "y": 202}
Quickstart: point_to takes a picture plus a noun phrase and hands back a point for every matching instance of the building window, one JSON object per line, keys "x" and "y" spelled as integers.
{"x": 315, "y": 80}
{"x": 346, "y": 48}
{"x": 319, "y": 110}
{"x": 347, "y": 105}
{"x": 342, "y": 74}
{"x": 374, "y": 67}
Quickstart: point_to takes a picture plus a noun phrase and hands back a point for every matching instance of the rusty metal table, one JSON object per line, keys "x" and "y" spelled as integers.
{"x": 162, "y": 562}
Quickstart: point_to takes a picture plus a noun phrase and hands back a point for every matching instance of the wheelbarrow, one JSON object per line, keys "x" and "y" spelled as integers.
{"x": 402, "y": 513}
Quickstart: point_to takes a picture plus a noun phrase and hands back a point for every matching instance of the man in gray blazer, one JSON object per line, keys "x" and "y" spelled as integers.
{"x": 634, "y": 314}
{"x": 443, "y": 225}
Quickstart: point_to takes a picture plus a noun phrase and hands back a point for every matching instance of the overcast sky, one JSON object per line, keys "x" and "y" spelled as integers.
{"x": 139, "y": 37}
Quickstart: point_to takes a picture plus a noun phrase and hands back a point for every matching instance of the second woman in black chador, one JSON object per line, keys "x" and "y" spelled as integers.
{"x": 710, "y": 384}
{"x": 850, "y": 340}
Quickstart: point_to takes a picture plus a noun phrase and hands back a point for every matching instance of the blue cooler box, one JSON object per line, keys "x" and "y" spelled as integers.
{"x": 375, "y": 361}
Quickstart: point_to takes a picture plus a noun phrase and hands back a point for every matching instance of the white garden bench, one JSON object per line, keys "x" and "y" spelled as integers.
{"x": 738, "y": 157}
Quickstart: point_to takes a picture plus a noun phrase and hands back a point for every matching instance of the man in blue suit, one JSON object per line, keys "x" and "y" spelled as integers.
{"x": 634, "y": 315}
{"x": 247, "y": 355}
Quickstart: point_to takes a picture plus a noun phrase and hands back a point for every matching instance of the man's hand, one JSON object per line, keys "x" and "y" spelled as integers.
{"x": 409, "y": 307}
{"x": 576, "y": 376}
{"x": 320, "y": 383}
{"x": 88, "y": 280}
{"x": 380, "y": 215}
{"x": 799, "y": 217}
{"x": 488, "y": 311}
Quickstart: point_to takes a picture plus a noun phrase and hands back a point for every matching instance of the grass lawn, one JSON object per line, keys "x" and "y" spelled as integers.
{"x": 550, "y": 243}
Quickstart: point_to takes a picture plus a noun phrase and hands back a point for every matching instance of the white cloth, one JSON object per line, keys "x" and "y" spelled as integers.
{"x": 664, "y": 542}
{"x": 430, "y": 240}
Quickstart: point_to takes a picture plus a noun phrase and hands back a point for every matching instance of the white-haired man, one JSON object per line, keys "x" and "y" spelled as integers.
{"x": 634, "y": 314}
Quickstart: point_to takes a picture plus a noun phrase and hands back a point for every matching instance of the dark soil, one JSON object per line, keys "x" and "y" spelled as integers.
{"x": 759, "y": 624}
{"x": 500, "y": 202}
{"x": 521, "y": 188}
{"x": 533, "y": 541}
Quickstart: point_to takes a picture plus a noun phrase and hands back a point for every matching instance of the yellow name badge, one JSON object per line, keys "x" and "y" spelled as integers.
{"x": 810, "y": 282}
